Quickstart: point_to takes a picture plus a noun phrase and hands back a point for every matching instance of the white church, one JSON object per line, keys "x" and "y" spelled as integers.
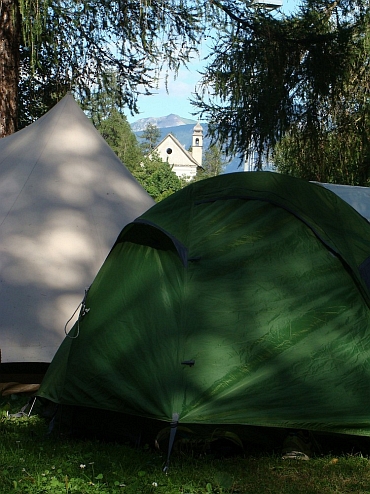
{"x": 184, "y": 163}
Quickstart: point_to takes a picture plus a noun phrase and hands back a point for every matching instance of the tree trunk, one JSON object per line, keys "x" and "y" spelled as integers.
{"x": 9, "y": 65}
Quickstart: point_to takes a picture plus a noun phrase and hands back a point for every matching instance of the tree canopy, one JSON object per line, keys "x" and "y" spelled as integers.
{"x": 213, "y": 163}
{"x": 117, "y": 132}
{"x": 297, "y": 85}
{"x": 50, "y": 46}
{"x": 303, "y": 76}
{"x": 157, "y": 177}
{"x": 149, "y": 138}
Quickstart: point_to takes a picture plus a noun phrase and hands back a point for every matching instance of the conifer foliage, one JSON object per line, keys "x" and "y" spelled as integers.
{"x": 50, "y": 46}
{"x": 301, "y": 81}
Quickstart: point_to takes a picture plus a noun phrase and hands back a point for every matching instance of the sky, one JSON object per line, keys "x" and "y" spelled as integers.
{"x": 181, "y": 90}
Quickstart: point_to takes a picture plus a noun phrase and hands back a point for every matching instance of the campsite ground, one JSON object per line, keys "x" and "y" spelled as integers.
{"x": 33, "y": 461}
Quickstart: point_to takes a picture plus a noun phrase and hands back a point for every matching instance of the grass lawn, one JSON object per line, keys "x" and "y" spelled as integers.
{"x": 33, "y": 461}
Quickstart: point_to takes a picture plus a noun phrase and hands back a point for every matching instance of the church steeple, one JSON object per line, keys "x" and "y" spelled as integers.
{"x": 197, "y": 144}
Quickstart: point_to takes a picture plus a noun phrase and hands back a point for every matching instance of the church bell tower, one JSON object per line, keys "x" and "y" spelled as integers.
{"x": 197, "y": 144}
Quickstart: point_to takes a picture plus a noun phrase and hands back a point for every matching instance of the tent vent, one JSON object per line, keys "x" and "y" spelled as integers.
{"x": 190, "y": 363}
{"x": 147, "y": 233}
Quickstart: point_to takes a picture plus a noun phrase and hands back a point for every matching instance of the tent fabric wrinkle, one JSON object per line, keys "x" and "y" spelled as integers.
{"x": 276, "y": 325}
{"x": 330, "y": 241}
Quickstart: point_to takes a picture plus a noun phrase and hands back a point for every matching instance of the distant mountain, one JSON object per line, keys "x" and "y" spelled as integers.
{"x": 171, "y": 120}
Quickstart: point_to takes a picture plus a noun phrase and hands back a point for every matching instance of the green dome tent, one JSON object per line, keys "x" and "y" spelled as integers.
{"x": 241, "y": 299}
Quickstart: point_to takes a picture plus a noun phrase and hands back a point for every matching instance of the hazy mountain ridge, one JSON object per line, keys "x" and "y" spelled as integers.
{"x": 171, "y": 120}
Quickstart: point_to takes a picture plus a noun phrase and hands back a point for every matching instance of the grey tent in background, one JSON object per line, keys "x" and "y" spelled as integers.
{"x": 64, "y": 198}
{"x": 358, "y": 197}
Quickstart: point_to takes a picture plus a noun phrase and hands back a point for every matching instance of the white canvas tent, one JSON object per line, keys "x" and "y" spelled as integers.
{"x": 64, "y": 198}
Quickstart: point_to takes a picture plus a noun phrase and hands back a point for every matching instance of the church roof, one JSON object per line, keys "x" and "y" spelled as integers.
{"x": 178, "y": 144}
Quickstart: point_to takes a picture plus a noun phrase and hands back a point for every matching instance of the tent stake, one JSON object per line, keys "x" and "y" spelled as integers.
{"x": 174, "y": 424}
